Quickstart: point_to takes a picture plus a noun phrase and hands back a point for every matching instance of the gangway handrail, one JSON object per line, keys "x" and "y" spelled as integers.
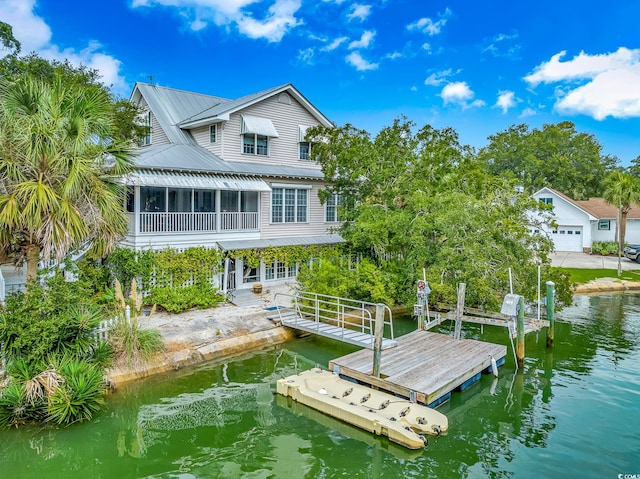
{"x": 334, "y": 310}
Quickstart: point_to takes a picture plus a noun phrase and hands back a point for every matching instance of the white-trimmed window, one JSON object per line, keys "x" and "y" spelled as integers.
{"x": 289, "y": 205}
{"x": 253, "y": 144}
{"x": 304, "y": 150}
{"x": 547, "y": 201}
{"x": 304, "y": 147}
{"x": 604, "y": 225}
{"x": 146, "y": 140}
{"x": 331, "y": 213}
{"x": 213, "y": 133}
{"x": 278, "y": 270}
{"x": 256, "y": 132}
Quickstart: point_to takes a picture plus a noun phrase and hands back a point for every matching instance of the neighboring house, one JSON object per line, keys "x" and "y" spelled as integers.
{"x": 580, "y": 223}
{"x": 228, "y": 174}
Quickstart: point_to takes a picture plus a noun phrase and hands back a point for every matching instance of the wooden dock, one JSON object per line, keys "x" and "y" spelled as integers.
{"x": 424, "y": 366}
{"x": 477, "y": 316}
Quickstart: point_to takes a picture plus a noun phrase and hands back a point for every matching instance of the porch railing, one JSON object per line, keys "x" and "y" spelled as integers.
{"x": 238, "y": 221}
{"x": 195, "y": 222}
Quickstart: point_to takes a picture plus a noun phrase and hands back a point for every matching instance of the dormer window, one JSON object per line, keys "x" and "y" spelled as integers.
{"x": 213, "y": 133}
{"x": 304, "y": 147}
{"x": 146, "y": 140}
{"x": 256, "y": 133}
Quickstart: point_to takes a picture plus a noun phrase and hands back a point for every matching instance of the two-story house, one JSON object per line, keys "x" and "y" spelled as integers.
{"x": 228, "y": 174}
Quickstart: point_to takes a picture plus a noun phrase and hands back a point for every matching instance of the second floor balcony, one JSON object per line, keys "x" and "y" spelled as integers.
{"x": 196, "y": 222}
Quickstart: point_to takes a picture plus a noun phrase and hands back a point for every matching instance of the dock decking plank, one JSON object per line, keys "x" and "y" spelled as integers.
{"x": 429, "y": 364}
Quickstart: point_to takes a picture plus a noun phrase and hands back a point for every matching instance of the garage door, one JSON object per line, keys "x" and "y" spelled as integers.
{"x": 567, "y": 238}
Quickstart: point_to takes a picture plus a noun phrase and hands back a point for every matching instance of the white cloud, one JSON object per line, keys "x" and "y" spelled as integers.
{"x": 595, "y": 85}
{"x": 359, "y": 11}
{"x": 334, "y": 44}
{"x": 393, "y": 56}
{"x": 272, "y": 26}
{"x": 459, "y": 93}
{"x": 428, "y": 26}
{"x": 35, "y": 36}
{"x": 503, "y": 45}
{"x": 506, "y": 100}
{"x": 528, "y": 112}
{"x": 427, "y": 47}
{"x": 281, "y": 18}
{"x": 356, "y": 60}
{"x": 306, "y": 55}
{"x": 365, "y": 40}
{"x": 437, "y": 78}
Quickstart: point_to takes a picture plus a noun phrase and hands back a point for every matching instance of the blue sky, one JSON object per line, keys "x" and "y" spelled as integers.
{"x": 476, "y": 66}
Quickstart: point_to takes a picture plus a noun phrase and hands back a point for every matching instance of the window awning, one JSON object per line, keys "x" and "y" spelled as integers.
{"x": 258, "y": 126}
{"x": 280, "y": 242}
{"x": 302, "y": 133}
{"x": 194, "y": 180}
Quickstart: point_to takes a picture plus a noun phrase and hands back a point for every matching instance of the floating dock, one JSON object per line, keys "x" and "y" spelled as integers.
{"x": 424, "y": 366}
{"x": 401, "y": 421}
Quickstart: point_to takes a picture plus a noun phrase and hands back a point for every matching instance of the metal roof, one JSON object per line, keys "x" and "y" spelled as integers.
{"x": 279, "y": 242}
{"x": 171, "y": 106}
{"x": 195, "y": 158}
{"x": 193, "y": 180}
{"x": 224, "y": 109}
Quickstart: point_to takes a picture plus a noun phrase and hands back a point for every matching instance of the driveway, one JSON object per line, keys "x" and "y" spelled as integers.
{"x": 583, "y": 260}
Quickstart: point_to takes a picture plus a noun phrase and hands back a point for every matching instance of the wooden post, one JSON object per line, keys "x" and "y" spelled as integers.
{"x": 377, "y": 341}
{"x": 520, "y": 334}
{"x": 551, "y": 292}
{"x": 459, "y": 310}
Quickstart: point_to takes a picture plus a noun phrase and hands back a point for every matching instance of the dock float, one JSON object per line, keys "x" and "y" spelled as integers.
{"x": 424, "y": 366}
{"x": 403, "y": 422}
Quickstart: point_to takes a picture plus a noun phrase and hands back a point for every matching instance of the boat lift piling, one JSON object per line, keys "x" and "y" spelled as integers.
{"x": 520, "y": 334}
{"x": 377, "y": 339}
{"x": 551, "y": 293}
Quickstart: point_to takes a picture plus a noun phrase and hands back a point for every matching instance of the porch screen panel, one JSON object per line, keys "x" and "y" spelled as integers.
{"x": 180, "y": 200}
{"x": 249, "y": 201}
{"x": 229, "y": 201}
{"x": 204, "y": 201}
{"x": 152, "y": 199}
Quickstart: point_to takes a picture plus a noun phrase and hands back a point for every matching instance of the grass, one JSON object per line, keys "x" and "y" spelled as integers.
{"x": 583, "y": 276}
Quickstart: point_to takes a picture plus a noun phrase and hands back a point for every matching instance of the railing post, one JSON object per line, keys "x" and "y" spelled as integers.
{"x": 551, "y": 292}
{"x": 377, "y": 341}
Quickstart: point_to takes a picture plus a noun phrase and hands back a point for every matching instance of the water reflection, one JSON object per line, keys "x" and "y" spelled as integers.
{"x": 573, "y": 408}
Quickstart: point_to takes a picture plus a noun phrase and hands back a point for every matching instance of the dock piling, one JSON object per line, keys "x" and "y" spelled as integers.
{"x": 459, "y": 310}
{"x": 377, "y": 339}
{"x": 551, "y": 292}
{"x": 520, "y": 334}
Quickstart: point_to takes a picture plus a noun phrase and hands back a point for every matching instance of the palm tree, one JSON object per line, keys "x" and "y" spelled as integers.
{"x": 622, "y": 190}
{"x": 57, "y": 160}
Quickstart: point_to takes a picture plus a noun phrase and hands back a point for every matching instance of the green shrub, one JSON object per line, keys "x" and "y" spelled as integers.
{"x": 177, "y": 300}
{"x": 55, "y": 366}
{"x": 55, "y": 318}
{"x": 604, "y": 247}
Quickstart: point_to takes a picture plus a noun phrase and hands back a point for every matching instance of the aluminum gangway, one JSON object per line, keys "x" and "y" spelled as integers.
{"x": 343, "y": 319}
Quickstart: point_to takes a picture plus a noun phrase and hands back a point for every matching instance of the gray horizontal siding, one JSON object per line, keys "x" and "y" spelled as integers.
{"x": 282, "y": 150}
{"x": 315, "y": 225}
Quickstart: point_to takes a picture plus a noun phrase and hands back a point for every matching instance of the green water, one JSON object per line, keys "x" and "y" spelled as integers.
{"x": 574, "y": 412}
